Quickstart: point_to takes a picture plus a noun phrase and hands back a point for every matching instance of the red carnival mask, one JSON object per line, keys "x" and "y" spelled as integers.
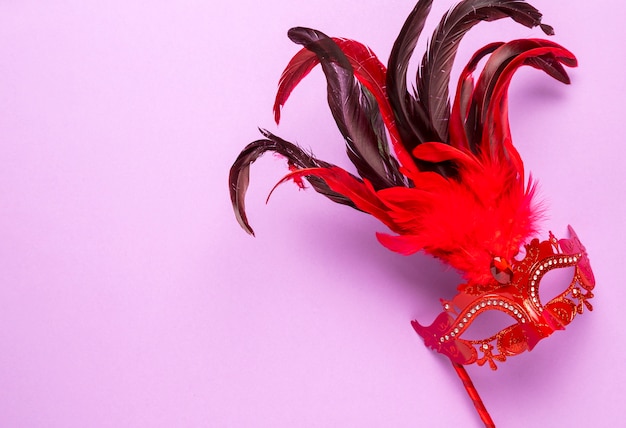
{"x": 441, "y": 173}
{"x": 519, "y": 299}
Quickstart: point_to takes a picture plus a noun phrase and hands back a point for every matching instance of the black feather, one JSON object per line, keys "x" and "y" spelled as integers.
{"x": 296, "y": 157}
{"x": 370, "y": 106}
{"x": 411, "y": 119}
{"x": 351, "y": 110}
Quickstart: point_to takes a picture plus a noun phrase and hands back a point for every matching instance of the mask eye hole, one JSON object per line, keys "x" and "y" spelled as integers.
{"x": 555, "y": 283}
{"x": 487, "y": 324}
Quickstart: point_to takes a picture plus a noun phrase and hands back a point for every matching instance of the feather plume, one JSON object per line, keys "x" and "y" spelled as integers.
{"x": 459, "y": 192}
{"x": 434, "y": 72}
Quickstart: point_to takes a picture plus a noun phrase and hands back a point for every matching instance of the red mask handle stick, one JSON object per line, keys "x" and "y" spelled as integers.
{"x": 471, "y": 390}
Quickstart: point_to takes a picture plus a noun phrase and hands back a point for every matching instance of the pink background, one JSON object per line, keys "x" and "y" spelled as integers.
{"x": 129, "y": 296}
